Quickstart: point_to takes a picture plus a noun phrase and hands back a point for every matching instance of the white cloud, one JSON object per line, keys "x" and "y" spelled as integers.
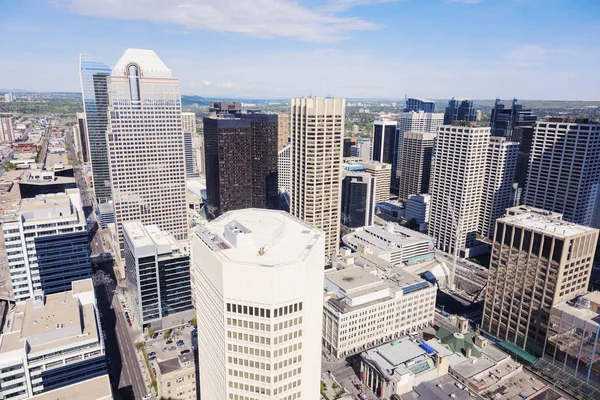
{"x": 258, "y": 18}
{"x": 527, "y": 55}
{"x": 206, "y": 83}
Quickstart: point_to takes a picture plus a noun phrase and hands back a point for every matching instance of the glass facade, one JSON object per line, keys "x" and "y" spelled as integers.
{"x": 419, "y": 105}
{"x": 459, "y": 110}
{"x": 94, "y": 89}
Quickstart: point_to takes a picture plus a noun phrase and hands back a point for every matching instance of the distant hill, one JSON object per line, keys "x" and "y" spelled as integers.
{"x": 187, "y": 100}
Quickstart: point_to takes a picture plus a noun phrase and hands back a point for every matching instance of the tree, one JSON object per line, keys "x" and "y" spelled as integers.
{"x": 10, "y": 166}
{"x": 195, "y": 322}
{"x": 139, "y": 345}
{"x": 167, "y": 333}
{"x": 151, "y": 332}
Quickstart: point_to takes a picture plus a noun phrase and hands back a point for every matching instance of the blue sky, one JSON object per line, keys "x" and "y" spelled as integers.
{"x": 530, "y": 49}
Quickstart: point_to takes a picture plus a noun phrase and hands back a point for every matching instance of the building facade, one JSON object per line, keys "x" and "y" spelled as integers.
{"x": 385, "y": 143}
{"x": 358, "y": 205}
{"x": 6, "y": 130}
{"x": 176, "y": 378}
{"x": 188, "y": 123}
{"x": 283, "y": 131}
{"x": 415, "y": 104}
{"x": 504, "y": 120}
{"x": 497, "y": 190}
{"x": 259, "y": 286}
{"x": 415, "y": 163}
{"x": 83, "y": 137}
{"x": 459, "y": 109}
{"x": 53, "y": 341}
{"x": 564, "y": 165}
{"x": 158, "y": 277}
{"x": 94, "y": 91}
{"x": 368, "y": 303}
{"x": 418, "y": 207}
{"x": 456, "y": 182}
{"x": 284, "y": 170}
{"x": 47, "y": 245}
{"x": 538, "y": 260}
{"x": 146, "y": 145}
{"x": 382, "y": 173}
{"x": 317, "y": 135}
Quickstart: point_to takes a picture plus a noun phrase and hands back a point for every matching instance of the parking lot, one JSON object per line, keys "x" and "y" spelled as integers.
{"x": 180, "y": 341}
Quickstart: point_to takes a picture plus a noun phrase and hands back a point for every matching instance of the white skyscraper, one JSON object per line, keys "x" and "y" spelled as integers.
{"x": 413, "y": 121}
{"x": 317, "y": 137}
{"x": 284, "y": 173}
{"x": 188, "y": 123}
{"x": 145, "y": 144}
{"x": 496, "y": 195}
{"x": 259, "y": 299}
{"x": 456, "y": 182}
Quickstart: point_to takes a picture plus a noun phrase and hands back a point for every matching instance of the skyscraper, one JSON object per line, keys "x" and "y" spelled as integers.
{"x": 358, "y": 205}
{"x": 94, "y": 91}
{"x": 188, "y": 122}
{"x": 259, "y": 300}
{"x": 504, "y": 120}
{"x": 564, "y": 169}
{"x": 317, "y": 132}
{"x": 83, "y": 137}
{"x": 284, "y": 172}
{"x": 382, "y": 173}
{"x": 456, "y": 182}
{"x": 415, "y": 163}
{"x": 497, "y": 187}
{"x": 241, "y": 161}
{"x": 459, "y": 109}
{"x": 538, "y": 260}
{"x": 415, "y": 104}
{"x": 283, "y": 130}
{"x": 385, "y": 142}
{"x": 6, "y": 130}
{"x": 145, "y": 145}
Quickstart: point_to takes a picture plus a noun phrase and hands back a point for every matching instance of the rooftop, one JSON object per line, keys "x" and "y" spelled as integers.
{"x": 99, "y": 386}
{"x": 259, "y": 237}
{"x": 150, "y": 235}
{"x": 150, "y": 64}
{"x": 579, "y": 308}
{"x": 444, "y": 387}
{"x": 544, "y": 222}
{"x": 176, "y": 363}
{"x": 389, "y": 237}
{"x": 50, "y": 206}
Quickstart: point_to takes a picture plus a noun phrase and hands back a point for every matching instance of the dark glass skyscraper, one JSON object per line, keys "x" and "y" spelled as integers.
{"x": 504, "y": 120}
{"x": 94, "y": 90}
{"x": 459, "y": 110}
{"x": 358, "y": 206}
{"x": 417, "y": 105}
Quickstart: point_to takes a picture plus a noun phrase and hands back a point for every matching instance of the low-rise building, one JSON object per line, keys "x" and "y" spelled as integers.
{"x": 417, "y": 207}
{"x": 92, "y": 389}
{"x": 391, "y": 242}
{"x": 369, "y": 302}
{"x": 176, "y": 378}
{"x": 398, "y": 366}
{"x": 382, "y": 173}
{"x": 50, "y": 342}
{"x": 106, "y": 214}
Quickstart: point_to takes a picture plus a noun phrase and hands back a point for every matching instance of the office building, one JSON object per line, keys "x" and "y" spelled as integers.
{"x": 188, "y": 123}
{"x": 6, "y": 130}
{"x": 158, "y": 277}
{"x": 145, "y": 145}
{"x": 504, "y": 120}
{"x": 538, "y": 260}
{"x": 99, "y": 386}
{"x": 392, "y": 243}
{"x": 415, "y": 121}
{"x": 317, "y": 164}
{"x": 417, "y": 208}
{"x": 52, "y": 341}
{"x": 47, "y": 244}
{"x": 259, "y": 288}
{"x": 284, "y": 169}
{"x": 198, "y": 147}
{"x": 348, "y": 143}
{"x": 176, "y": 378}
{"x": 83, "y": 137}
{"x": 94, "y": 91}
{"x": 385, "y": 144}
{"x": 457, "y": 178}
{"x": 524, "y": 136}
{"x": 415, "y": 163}
{"x": 358, "y": 205}
{"x": 225, "y": 107}
{"x": 497, "y": 189}
{"x": 361, "y": 149}
{"x": 459, "y": 109}
{"x": 283, "y": 131}
{"x": 241, "y": 161}
{"x": 564, "y": 169}
{"x": 8, "y": 98}
{"x": 106, "y": 214}
{"x": 415, "y": 104}
{"x": 572, "y": 339}
{"x": 367, "y": 303}
{"x": 382, "y": 173}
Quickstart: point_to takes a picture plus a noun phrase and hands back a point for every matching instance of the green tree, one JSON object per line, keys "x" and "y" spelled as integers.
{"x": 195, "y": 322}
{"x": 10, "y": 166}
{"x": 167, "y": 333}
{"x": 151, "y": 332}
{"x": 139, "y": 345}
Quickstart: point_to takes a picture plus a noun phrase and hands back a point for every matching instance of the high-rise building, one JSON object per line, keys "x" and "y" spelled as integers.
{"x": 504, "y": 120}
{"x": 415, "y": 104}
{"x": 361, "y": 149}
{"x": 94, "y": 90}
{"x": 241, "y": 161}
{"x": 348, "y": 143}
{"x": 8, "y": 98}
{"x": 83, "y": 137}
{"x": 418, "y": 207}
{"x": 259, "y": 299}
{"x": 382, "y": 173}
{"x": 524, "y": 136}
{"x": 538, "y": 260}
{"x": 284, "y": 169}
{"x": 158, "y": 277}
{"x": 188, "y": 123}
{"x": 6, "y": 130}
{"x": 317, "y": 132}
{"x": 52, "y": 341}
{"x": 47, "y": 244}
{"x": 457, "y": 177}
{"x": 358, "y": 205}
{"x": 415, "y": 163}
{"x": 385, "y": 143}
{"x": 564, "y": 169}
{"x": 459, "y": 109}
{"x": 145, "y": 145}
{"x": 198, "y": 146}
{"x": 283, "y": 131}
{"x": 225, "y": 107}
{"x": 497, "y": 190}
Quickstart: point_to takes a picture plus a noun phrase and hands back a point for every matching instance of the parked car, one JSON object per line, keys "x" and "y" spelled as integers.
{"x": 180, "y": 343}
{"x": 151, "y": 358}
{"x": 169, "y": 341}
{"x": 184, "y": 351}
{"x": 172, "y": 348}
{"x": 152, "y": 353}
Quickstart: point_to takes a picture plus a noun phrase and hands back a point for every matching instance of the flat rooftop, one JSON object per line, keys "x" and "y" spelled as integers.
{"x": 400, "y": 357}
{"x": 259, "y": 237}
{"x": 96, "y": 388}
{"x": 582, "y": 313}
{"x": 352, "y": 278}
{"x": 390, "y": 237}
{"x": 149, "y": 235}
{"x": 545, "y": 222}
{"x": 53, "y": 206}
